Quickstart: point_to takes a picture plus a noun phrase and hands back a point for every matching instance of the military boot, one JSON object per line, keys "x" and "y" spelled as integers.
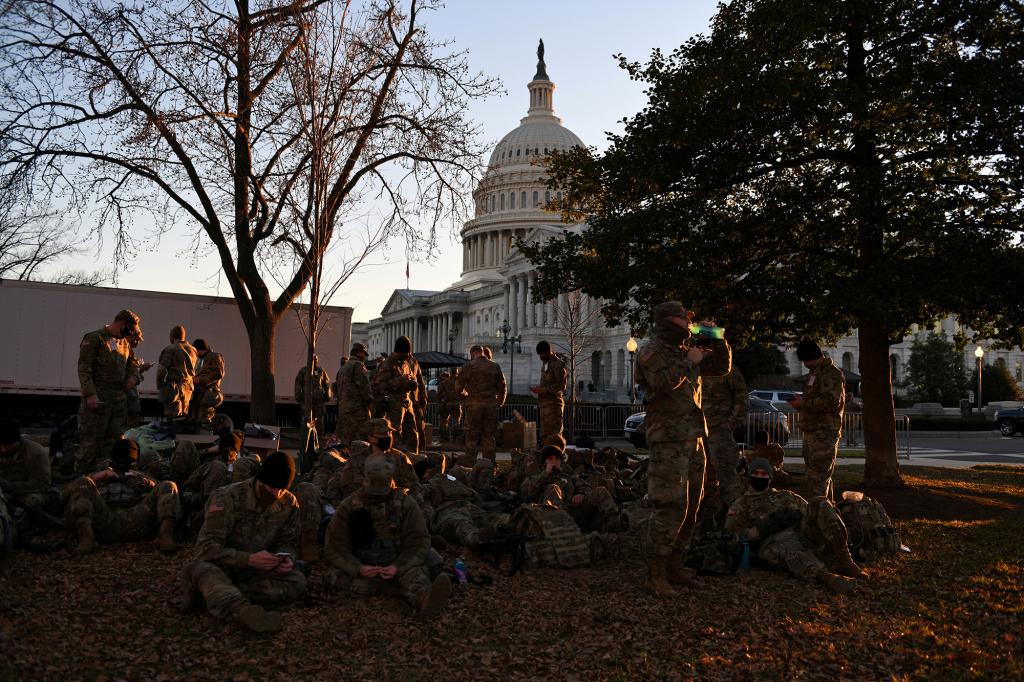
{"x": 657, "y": 577}
{"x": 308, "y": 549}
{"x": 845, "y": 565}
{"x": 86, "y": 539}
{"x": 255, "y": 619}
{"x": 188, "y": 596}
{"x": 680, "y": 575}
{"x": 165, "y": 537}
{"x": 836, "y": 583}
{"x": 429, "y": 604}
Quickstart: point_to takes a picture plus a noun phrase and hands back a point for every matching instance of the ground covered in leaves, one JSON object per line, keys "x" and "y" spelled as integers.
{"x": 952, "y": 609}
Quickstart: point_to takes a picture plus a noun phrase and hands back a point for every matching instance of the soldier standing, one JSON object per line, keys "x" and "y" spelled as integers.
{"x": 118, "y": 504}
{"x": 107, "y": 368}
{"x": 396, "y": 383}
{"x": 246, "y": 549}
{"x": 174, "y": 372}
{"x": 550, "y": 400}
{"x": 321, "y": 393}
{"x": 484, "y": 385}
{"x": 724, "y": 401}
{"x": 354, "y": 397}
{"x": 821, "y": 416}
{"x": 209, "y": 374}
{"x": 451, "y": 406}
{"x": 670, "y": 372}
{"x": 378, "y": 538}
{"x": 133, "y": 402}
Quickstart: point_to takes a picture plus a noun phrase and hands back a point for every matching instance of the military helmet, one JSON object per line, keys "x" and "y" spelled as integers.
{"x": 379, "y": 425}
{"x": 668, "y": 309}
{"x": 379, "y": 472}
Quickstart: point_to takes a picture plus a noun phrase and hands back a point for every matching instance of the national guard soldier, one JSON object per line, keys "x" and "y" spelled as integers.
{"x": 107, "y": 368}
{"x": 321, "y": 393}
{"x": 724, "y": 401}
{"x": 451, "y": 406}
{"x": 209, "y": 374}
{"x": 669, "y": 370}
{"x": 133, "y": 403}
{"x": 791, "y": 533}
{"x": 246, "y": 550}
{"x": 354, "y": 397}
{"x": 118, "y": 504}
{"x": 175, "y": 370}
{"x": 821, "y": 416}
{"x": 550, "y": 390}
{"x": 378, "y": 538}
{"x": 484, "y": 385}
{"x": 397, "y": 381}
{"x": 24, "y": 473}
{"x": 592, "y": 507}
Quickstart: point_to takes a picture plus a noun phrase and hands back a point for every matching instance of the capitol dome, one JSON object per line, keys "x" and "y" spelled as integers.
{"x": 512, "y": 195}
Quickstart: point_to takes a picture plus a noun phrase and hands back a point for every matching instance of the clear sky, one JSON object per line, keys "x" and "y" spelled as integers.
{"x": 592, "y": 96}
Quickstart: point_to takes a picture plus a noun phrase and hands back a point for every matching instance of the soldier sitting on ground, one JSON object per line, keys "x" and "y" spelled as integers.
{"x": 246, "y": 550}
{"x": 117, "y": 504}
{"x": 773, "y": 452}
{"x": 213, "y": 472}
{"x": 790, "y": 533}
{"x": 24, "y": 476}
{"x": 592, "y": 507}
{"x": 450, "y": 507}
{"x": 378, "y": 539}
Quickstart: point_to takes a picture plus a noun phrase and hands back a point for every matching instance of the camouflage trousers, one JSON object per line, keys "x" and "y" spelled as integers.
{"x": 410, "y": 584}
{"x": 675, "y": 482}
{"x": 320, "y": 414}
{"x": 83, "y": 501}
{"x": 175, "y": 397}
{"x": 411, "y": 432}
{"x": 799, "y": 550}
{"x": 98, "y": 428}
{"x": 399, "y": 414}
{"x": 551, "y": 413}
{"x": 451, "y": 413}
{"x": 820, "y": 449}
{"x": 481, "y": 423}
{"x": 721, "y": 484}
{"x": 226, "y": 590}
{"x": 461, "y": 522}
{"x": 184, "y": 461}
{"x": 204, "y": 402}
{"x": 351, "y": 424}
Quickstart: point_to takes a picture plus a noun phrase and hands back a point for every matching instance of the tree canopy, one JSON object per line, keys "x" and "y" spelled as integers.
{"x": 935, "y": 371}
{"x": 814, "y": 169}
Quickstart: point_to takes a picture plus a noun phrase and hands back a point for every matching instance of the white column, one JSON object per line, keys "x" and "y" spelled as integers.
{"x": 505, "y": 314}
{"x": 548, "y": 320}
{"x": 513, "y": 314}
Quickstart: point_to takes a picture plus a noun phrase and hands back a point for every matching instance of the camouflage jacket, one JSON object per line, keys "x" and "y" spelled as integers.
{"x": 824, "y": 398}
{"x": 419, "y": 396}
{"x": 212, "y": 474}
{"x": 354, "y": 393}
{"x": 238, "y": 524}
{"x": 177, "y": 364}
{"x": 395, "y": 378}
{"x": 533, "y": 487}
{"x": 482, "y": 381}
{"x": 441, "y": 492}
{"x": 123, "y": 492}
{"x": 552, "y": 380}
{"x": 724, "y": 400}
{"x": 752, "y": 507}
{"x": 26, "y": 470}
{"x": 321, "y": 385}
{"x": 104, "y": 364}
{"x": 209, "y": 371}
{"x": 447, "y": 393}
{"x": 673, "y": 388}
{"x": 398, "y": 523}
{"x": 349, "y": 479}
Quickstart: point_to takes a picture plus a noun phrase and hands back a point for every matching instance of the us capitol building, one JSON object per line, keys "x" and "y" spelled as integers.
{"x": 497, "y": 280}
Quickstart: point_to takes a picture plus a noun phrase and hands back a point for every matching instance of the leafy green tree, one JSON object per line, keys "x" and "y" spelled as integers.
{"x": 814, "y": 168}
{"x": 760, "y": 359}
{"x": 935, "y": 371}
{"x": 997, "y": 383}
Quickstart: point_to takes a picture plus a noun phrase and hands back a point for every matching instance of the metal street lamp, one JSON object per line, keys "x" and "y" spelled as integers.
{"x": 452, "y": 335}
{"x": 631, "y": 347}
{"x": 510, "y": 343}
{"x": 979, "y": 353}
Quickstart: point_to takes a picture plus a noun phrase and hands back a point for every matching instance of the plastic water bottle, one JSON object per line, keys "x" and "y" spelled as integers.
{"x": 745, "y": 559}
{"x": 460, "y": 570}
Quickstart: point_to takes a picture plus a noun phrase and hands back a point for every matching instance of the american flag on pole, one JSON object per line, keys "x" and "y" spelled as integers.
{"x": 406, "y": 274}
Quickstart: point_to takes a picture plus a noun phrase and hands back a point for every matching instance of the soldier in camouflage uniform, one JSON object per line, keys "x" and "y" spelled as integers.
{"x": 378, "y": 538}
{"x": 670, "y": 372}
{"x": 792, "y": 534}
{"x": 355, "y": 398}
{"x": 592, "y": 507}
{"x": 450, "y": 508}
{"x": 246, "y": 550}
{"x": 774, "y": 453}
{"x": 117, "y": 504}
{"x": 821, "y": 416}
{"x": 107, "y": 368}
{"x": 396, "y": 383}
{"x": 321, "y": 393}
{"x": 24, "y": 468}
{"x": 484, "y": 385}
{"x": 175, "y": 370}
{"x": 451, "y": 406}
{"x": 133, "y": 404}
{"x": 214, "y": 470}
{"x": 724, "y": 401}
{"x": 550, "y": 390}
{"x": 209, "y": 374}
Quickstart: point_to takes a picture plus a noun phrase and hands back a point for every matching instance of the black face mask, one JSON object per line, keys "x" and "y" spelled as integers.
{"x": 760, "y": 484}
{"x": 384, "y": 442}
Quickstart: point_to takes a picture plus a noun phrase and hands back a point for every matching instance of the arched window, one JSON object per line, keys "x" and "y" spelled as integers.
{"x": 522, "y": 200}
{"x": 545, "y": 150}
{"x": 547, "y": 197}
{"x": 502, "y": 202}
{"x": 535, "y": 200}
{"x": 518, "y": 151}
{"x": 848, "y": 361}
{"x": 512, "y": 200}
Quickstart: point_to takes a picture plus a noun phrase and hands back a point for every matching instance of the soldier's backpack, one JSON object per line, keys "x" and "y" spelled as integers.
{"x": 869, "y": 527}
{"x": 714, "y": 553}
{"x": 550, "y": 537}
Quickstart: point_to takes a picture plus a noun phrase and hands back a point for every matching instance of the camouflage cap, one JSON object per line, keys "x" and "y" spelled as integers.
{"x": 379, "y": 472}
{"x": 131, "y": 319}
{"x": 379, "y": 425}
{"x": 358, "y": 348}
{"x": 668, "y": 309}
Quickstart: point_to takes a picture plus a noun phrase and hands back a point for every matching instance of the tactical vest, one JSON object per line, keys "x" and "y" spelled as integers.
{"x": 869, "y": 527}
{"x": 551, "y": 537}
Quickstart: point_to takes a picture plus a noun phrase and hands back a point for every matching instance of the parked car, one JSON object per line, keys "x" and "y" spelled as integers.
{"x": 1010, "y": 421}
{"x": 761, "y": 414}
{"x": 432, "y": 388}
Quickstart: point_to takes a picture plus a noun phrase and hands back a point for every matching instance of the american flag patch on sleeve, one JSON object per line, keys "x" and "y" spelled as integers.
{"x": 215, "y": 507}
